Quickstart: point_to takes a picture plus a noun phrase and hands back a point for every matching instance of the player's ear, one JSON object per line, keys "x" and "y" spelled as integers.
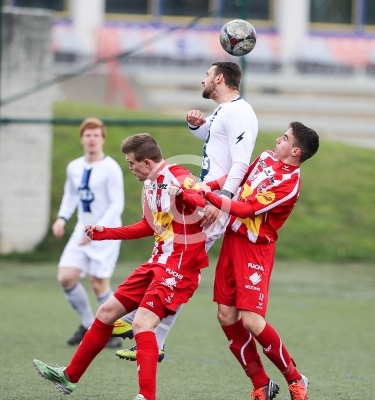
{"x": 219, "y": 78}
{"x": 296, "y": 152}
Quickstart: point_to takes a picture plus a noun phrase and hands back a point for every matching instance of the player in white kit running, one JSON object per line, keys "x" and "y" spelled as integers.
{"x": 95, "y": 187}
{"x": 230, "y": 133}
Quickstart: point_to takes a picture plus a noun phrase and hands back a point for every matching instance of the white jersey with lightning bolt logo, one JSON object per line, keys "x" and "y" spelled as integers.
{"x": 229, "y": 134}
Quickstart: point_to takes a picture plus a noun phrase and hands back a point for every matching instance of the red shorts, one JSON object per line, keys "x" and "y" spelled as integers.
{"x": 243, "y": 273}
{"x": 158, "y": 288}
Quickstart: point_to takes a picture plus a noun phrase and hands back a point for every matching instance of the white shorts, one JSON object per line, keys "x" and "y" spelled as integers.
{"x": 97, "y": 258}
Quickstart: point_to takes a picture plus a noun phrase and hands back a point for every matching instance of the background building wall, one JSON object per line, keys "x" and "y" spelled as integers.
{"x": 25, "y": 150}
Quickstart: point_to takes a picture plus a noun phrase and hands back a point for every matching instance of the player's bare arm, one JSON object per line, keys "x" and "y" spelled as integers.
{"x": 85, "y": 240}
{"x": 195, "y": 117}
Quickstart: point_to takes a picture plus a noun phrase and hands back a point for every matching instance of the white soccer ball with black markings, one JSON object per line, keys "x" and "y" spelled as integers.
{"x": 238, "y": 37}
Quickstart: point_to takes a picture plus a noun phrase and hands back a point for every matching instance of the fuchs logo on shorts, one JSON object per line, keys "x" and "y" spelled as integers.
{"x": 252, "y": 288}
{"x": 255, "y": 266}
{"x": 255, "y": 278}
{"x": 169, "y": 283}
{"x": 174, "y": 273}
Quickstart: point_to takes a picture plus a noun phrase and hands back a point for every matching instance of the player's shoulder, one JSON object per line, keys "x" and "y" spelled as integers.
{"x": 178, "y": 170}
{"x": 268, "y": 154}
{"x": 77, "y": 162}
{"x": 111, "y": 163}
{"x": 238, "y": 105}
{"x": 265, "y": 158}
{"x": 109, "y": 160}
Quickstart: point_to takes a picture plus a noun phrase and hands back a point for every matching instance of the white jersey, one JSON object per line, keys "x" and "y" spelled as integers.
{"x": 97, "y": 189}
{"x": 230, "y": 134}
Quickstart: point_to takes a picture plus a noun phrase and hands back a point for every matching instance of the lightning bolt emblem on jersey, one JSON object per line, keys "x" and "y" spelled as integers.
{"x": 239, "y": 138}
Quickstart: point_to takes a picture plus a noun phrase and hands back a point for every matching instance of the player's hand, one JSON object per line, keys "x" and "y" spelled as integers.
{"x": 174, "y": 190}
{"x": 195, "y": 117}
{"x": 211, "y": 214}
{"x": 205, "y": 187}
{"x": 89, "y": 229}
{"x": 58, "y": 227}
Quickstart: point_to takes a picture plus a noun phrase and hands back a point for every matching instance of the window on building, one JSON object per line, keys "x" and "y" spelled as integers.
{"x": 256, "y": 9}
{"x": 184, "y": 7}
{"x": 126, "y": 6}
{"x": 331, "y": 11}
{"x": 57, "y": 5}
{"x": 370, "y": 12}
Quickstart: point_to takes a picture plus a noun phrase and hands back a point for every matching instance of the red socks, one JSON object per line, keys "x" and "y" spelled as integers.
{"x": 243, "y": 346}
{"x": 147, "y": 359}
{"x": 275, "y": 350}
{"x": 92, "y": 344}
{"x": 95, "y": 340}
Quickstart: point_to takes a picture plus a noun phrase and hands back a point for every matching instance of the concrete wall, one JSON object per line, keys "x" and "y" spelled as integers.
{"x": 25, "y": 150}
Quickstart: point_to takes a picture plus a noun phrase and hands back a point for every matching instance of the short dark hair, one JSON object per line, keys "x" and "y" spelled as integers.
{"x": 231, "y": 71}
{"x": 92, "y": 123}
{"x": 143, "y": 145}
{"x": 306, "y": 139}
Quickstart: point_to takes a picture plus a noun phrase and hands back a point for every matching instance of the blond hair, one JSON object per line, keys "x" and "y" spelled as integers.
{"x": 92, "y": 123}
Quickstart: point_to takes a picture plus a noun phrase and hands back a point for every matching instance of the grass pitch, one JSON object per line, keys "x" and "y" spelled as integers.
{"x": 324, "y": 313}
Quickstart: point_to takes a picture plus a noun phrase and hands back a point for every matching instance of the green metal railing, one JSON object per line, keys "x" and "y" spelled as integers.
{"x": 106, "y": 121}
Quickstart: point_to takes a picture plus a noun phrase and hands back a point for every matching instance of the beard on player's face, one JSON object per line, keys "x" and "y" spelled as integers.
{"x": 209, "y": 90}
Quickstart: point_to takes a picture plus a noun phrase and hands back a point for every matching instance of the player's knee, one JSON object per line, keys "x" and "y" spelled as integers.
{"x": 66, "y": 281}
{"x": 227, "y": 315}
{"x": 68, "y": 277}
{"x": 224, "y": 318}
{"x": 253, "y": 322}
{"x": 99, "y": 286}
{"x": 105, "y": 314}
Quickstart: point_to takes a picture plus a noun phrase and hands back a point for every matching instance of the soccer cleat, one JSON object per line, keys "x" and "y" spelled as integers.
{"x": 140, "y": 397}
{"x": 55, "y": 375}
{"x": 77, "y": 336}
{"x": 114, "y": 343}
{"x": 268, "y": 392}
{"x": 123, "y": 329}
{"x": 298, "y": 389}
{"x": 131, "y": 354}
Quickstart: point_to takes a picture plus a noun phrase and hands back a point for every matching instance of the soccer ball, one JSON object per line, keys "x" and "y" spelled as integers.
{"x": 238, "y": 37}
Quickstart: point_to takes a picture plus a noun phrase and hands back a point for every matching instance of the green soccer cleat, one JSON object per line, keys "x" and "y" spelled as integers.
{"x": 123, "y": 329}
{"x": 140, "y": 397}
{"x": 131, "y": 354}
{"x": 55, "y": 375}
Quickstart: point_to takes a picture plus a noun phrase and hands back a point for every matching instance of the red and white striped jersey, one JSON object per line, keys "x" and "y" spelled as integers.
{"x": 265, "y": 200}
{"x": 179, "y": 240}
